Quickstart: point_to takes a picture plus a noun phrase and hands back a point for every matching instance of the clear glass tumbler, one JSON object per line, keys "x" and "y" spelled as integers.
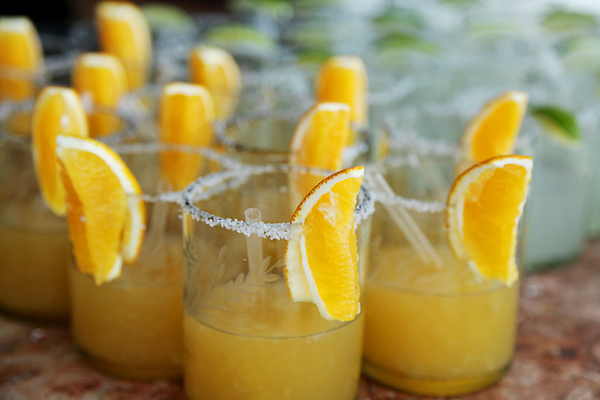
{"x": 244, "y": 338}
{"x": 131, "y": 327}
{"x": 431, "y": 328}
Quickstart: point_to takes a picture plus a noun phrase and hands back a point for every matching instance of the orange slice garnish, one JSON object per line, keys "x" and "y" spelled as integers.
{"x": 482, "y": 216}
{"x": 124, "y": 32}
{"x": 322, "y": 263}
{"x": 343, "y": 79}
{"x": 186, "y": 116}
{"x": 493, "y": 131}
{"x": 57, "y": 111}
{"x": 100, "y": 79}
{"x": 318, "y": 141}
{"x": 105, "y": 213}
{"x": 217, "y": 71}
{"x": 21, "y": 58}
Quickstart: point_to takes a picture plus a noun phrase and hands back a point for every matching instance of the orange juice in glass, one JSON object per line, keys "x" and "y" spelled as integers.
{"x": 433, "y": 325}
{"x": 244, "y": 338}
{"x": 34, "y": 247}
{"x": 131, "y": 326}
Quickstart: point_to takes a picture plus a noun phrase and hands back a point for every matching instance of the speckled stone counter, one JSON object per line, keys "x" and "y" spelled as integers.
{"x": 558, "y": 351}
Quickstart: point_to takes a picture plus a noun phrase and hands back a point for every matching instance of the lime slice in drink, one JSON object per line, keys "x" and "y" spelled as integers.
{"x": 582, "y": 52}
{"x": 406, "y": 42}
{"x": 399, "y": 20}
{"x": 460, "y": 2}
{"x": 236, "y": 36}
{"x": 313, "y": 56}
{"x": 560, "y": 20}
{"x": 561, "y": 124}
{"x": 163, "y": 15}
{"x": 279, "y": 9}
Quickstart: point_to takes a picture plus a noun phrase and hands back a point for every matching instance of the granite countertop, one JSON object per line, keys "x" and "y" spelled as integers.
{"x": 558, "y": 351}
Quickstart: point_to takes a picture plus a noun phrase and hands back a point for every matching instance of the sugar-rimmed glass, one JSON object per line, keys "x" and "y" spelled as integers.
{"x": 432, "y": 326}
{"x": 559, "y": 181}
{"x": 243, "y": 336}
{"x": 131, "y": 326}
{"x": 34, "y": 246}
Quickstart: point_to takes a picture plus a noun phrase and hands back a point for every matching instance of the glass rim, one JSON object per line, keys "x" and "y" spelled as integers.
{"x": 529, "y": 133}
{"x": 205, "y": 187}
{"x": 173, "y": 196}
{"x": 9, "y": 108}
{"x": 220, "y": 127}
{"x": 412, "y": 204}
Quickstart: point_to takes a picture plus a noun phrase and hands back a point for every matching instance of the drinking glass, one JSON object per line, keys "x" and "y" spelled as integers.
{"x": 34, "y": 246}
{"x": 244, "y": 338}
{"x": 131, "y": 327}
{"x": 263, "y": 137}
{"x": 431, "y": 325}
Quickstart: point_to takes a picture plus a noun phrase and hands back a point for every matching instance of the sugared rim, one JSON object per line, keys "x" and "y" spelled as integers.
{"x": 9, "y": 108}
{"x": 147, "y": 148}
{"x": 220, "y": 129}
{"x": 396, "y": 161}
{"x": 399, "y": 140}
{"x": 209, "y": 185}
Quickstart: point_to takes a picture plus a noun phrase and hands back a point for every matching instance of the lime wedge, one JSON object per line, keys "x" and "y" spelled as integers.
{"x": 461, "y": 2}
{"x": 406, "y": 42}
{"x": 162, "y": 15}
{"x": 561, "y": 124}
{"x": 312, "y": 35}
{"x": 399, "y": 20}
{"x": 229, "y": 36}
{"x": 280, "y": 9}
{"x": 313, "y": 56}
{"x": 560, "y": 20}
{"x": 581, "y": 52}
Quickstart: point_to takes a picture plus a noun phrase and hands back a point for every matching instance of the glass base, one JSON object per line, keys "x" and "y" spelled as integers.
{"x": 128, "y": 371}
{"x": 432, "y": 387}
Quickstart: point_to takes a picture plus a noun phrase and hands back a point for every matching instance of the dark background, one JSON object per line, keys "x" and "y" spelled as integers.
{"x": 54, "y": 15}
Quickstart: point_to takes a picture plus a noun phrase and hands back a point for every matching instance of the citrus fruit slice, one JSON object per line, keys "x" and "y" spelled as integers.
{"x": 100, "y": 80}
{"x": 21, "y": 58}
{"x": 218, "y": 72}
{"x": 318, "y": 141}
{"x": 482, "y": 215}
{"x": 239, "y": 37}
{"x": 493, "y": 130}
{"x": 561, "y": 124}
{"x": 124, "y": 32}
{"x": 57, "y": 111}
{"x": 321, "y": 265}
{"x": 106, "y": 214}
{"x": 343, "y": 79}
{"x": 185, "y": 118}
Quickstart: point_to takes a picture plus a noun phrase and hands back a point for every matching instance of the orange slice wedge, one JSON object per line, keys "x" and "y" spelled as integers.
{"x": 322, "y": 264}
{"x": 124, "y": 32}
{"x": 100, "y": 79}
{"x": 57, "y": 111}
{"x": 186, "y": 116}
{"x": 343, "y": 79}
{"x": 21, "y": 58}
{"x": 482, "y": 215}
{"x": 106, "y": 214}
{"x": 493, "y": 131}
{"x": 318, "y": 141}
{"x": 217, "y": 71}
